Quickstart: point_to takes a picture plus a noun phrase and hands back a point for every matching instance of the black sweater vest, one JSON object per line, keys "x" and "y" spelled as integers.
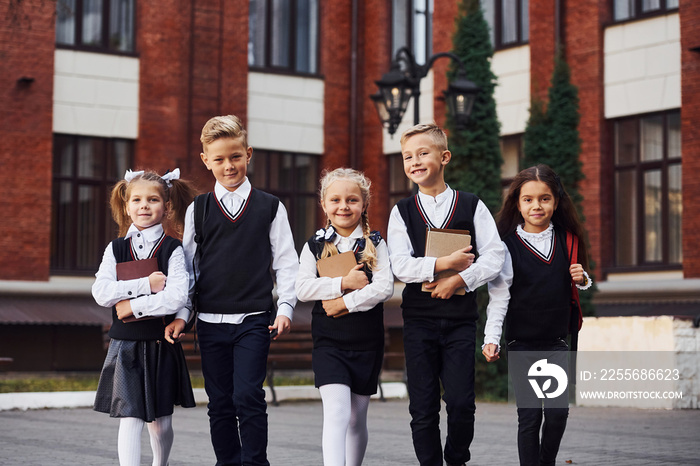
{"x": 357, "y": 331}
{"x": 152, "y": 329}
{"x": 539, "y": 307}
{"x": 417, "y": 303}
{"x": 235, "y": 256}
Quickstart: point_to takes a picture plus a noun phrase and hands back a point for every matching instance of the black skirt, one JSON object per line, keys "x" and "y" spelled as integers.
{"x": 357, "y": 369}
{"x": 143, "y": 379}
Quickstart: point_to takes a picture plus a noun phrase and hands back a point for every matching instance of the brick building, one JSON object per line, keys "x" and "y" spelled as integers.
{"x": 88, "y": 89}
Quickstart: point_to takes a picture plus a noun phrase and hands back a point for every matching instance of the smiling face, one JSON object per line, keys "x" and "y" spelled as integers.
{"x": 343, "y": 205}
{"x": 145, "y": 205}
{"x": 424, "y": 163}
{"x": 537, "y": 205}
{"x": 228, "y": 160}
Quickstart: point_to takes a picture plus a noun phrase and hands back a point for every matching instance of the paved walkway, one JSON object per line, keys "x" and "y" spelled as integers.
{"x": 595, "y": 436}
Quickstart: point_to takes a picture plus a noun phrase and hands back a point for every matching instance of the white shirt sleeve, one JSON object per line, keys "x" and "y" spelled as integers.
{"x": 407, "y": 268}
{"x": 107, "y": 290}
{"x": 491, "y": 250}
{"x": 285, "y": 263}
{"x": 499, "y": 297}
{"x": 189, "y": 247}
{"x": 379, "y": 290}
{"x": 173, "y": 298}
{"x": 310, "y": 287}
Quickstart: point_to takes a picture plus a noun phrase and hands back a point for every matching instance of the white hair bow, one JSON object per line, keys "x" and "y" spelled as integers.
{"x": 129, "y": 175}
{"x": 173, "y": 175}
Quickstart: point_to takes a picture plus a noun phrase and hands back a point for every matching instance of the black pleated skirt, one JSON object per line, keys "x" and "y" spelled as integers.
{"x": 143, "y": 379}
{"x": 357, "y": 369}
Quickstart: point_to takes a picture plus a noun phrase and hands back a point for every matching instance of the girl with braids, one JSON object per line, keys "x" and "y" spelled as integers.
{"x": 545, "y": 256}
{"x": 347, "y": 319}
{"x": 144, "y": 376}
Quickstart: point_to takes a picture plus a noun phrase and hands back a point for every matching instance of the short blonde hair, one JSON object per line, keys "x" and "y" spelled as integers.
{"x": 226, "y": 126}
{"x": 431, "y": 130}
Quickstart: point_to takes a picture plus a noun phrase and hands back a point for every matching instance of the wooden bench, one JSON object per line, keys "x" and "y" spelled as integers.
{"x": 290, "y": 351}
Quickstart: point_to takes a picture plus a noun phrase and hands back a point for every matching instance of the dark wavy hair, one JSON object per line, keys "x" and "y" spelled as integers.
{"x": 565, "y": 216}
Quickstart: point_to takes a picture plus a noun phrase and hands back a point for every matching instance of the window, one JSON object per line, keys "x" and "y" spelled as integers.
{"x": 99, "y": 25}
{"x": 284, "y": 35}
{"x": 293, "y": 178}
{"x": 84, "y": 171}
{"x": 648, "y": 199}
{"x": 412, "y": 22}
{"x": 624, "y": 10}
{"x": 399, "y": 184}
{"x": 509, "y": 21}
{"x": 512, "y": 152}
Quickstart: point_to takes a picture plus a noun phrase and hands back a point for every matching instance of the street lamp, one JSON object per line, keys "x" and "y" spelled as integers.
{"x": 397, "y": 87}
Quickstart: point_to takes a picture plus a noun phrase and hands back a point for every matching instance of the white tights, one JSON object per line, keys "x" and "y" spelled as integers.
{"x": 344, "y": 425}
{"x": 129, "y": 440}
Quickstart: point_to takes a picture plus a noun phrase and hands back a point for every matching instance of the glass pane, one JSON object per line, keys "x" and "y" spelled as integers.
{"x": 256, "y": 38}
{"x": 256, "y": 169}
{"x": 280, "y": 172}
{"x": 652, "y": 138}
{"x": 626, "y": 225}
{"x": 92, "y": 22}
{"x": 400, "y": 22}
{"x": 64, "y": 234}
{"x": 121, "y": 160}
{"x": 651, "y": 5}
{"x": 671, "y": 4}
{"x": 88, "y": 242}
{"x": 90, "y": 158}
{"x": 306, "y": 174}
{"x": 488, "y": 7}
{"x": 65, "y": 22}
{"x": 675, "y": 215}
{"x": 525, "y": 20}
{"x": 420, "y": 28}
{"x": 399, "y": 184}
{"x": 626, "y": 142}
{"x": 653, "y": 233}
{"x": 509, "y": 21}
{"x": 63, "y": 158}
{"x": 674, "y": 136}
{"x": 307, "y": 35}
{"x": 304, "y": 221}
{"x": 121, "y": 25}
{"x": 623, "y": 9}
{"x": 510, "y": 149}
{"x": 280, "y": 33}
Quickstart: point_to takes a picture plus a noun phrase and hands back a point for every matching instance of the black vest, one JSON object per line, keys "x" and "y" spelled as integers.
{"x": 357, "y": 331}
{"x": 152, "y": 329}
{"x": 539, "y": 306}
{"x": 417, "y": 303}
{"x": 235, "y": 256}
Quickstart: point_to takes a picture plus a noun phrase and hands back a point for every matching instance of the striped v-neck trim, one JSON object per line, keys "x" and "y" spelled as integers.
{"x": 448, "y": 218}
{"x": 233, "y": 217}
{"x": 151, "y": 253}
{"x": 546, "y": 258}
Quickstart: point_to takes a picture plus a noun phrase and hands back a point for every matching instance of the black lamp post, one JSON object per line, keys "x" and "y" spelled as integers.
{"x": 398, "y": 86}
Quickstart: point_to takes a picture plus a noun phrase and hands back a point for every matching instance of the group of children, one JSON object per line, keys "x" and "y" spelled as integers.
{"x": 236, "y": 238}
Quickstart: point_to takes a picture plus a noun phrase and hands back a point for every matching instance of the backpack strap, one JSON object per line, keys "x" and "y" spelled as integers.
{"x": 576, "y": 313}
{"x": 200, "y": 213}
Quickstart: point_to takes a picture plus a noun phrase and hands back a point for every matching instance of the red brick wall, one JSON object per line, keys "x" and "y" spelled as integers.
{"x": 26, "y": 49}
{"x": 690, "y": 134}
{"x": 541, "y": 46}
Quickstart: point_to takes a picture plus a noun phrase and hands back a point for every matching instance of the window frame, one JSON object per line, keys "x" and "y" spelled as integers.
{"x": 104, "y": 46}
{"x": 497, "y": 25}
{"x": 267, "y": 66}
{"x": 410, "y": 40}
{"x": 639, "y": 168}
{"x": 639, "y": 14}
{"x": 68, "y": 238}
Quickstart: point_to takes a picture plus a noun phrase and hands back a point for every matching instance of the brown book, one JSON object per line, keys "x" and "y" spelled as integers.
{"x": 132, "y": 270}
{"x": 441, "y": 242}
{"x": 338, "y": 265}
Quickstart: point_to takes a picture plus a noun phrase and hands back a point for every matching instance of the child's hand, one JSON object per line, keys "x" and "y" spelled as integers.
{"x": 459, "y": 260}
{"x": 174, "y": 331}
{"x": 576, "y": 271}
{"x": 282, "y": 324}
{"x": 124, "y": 309}
{"x": 335, "y": 307}
{"x": 490, "y": 352}
{"x": 356, "y": 279}
{"x": 157, "y": 281}
{"x": 444, "y": 288}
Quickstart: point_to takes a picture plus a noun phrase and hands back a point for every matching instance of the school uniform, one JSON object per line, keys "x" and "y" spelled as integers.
{"x": 440, "y": 335}
{"x": 244, "y": 232}
{"x": 533, "y": 296}
{"x": 347, "y": 350}
{"x": 143, "y": 375}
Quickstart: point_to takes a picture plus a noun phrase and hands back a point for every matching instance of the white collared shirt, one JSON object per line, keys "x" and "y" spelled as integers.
{"x": 108, "y": 291}
{"x": 411, "y": 269}
{"x": 310, "y": 287}
{"x": 284, "y": 256}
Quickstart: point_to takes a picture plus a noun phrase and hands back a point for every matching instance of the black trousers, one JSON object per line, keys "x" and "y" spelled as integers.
{"x": 440, "y": 350}
{"x": 548, "y": 417}
{"x": 234, "y": 360}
